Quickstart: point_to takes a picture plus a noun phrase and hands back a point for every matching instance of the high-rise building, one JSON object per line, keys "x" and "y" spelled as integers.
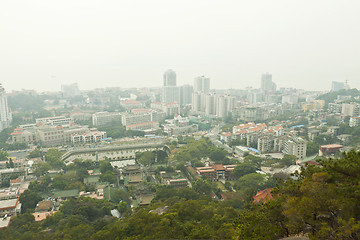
{"x": 186, "y": 94}
{"x": 196, "y": 101}
{"x": 267, "y": 85}
{"x": 295, "y": 146}
{"x": 210, "y": 104}
{"x": 213, "y": 104}
{"x": 202, "y": 84}
{"x": 5, "y": 114}
{"x": 171, "y": 94}
{"x": 224, "y": 105}
{"x": 169, "y": 78}
{"x": 70, "y": 90}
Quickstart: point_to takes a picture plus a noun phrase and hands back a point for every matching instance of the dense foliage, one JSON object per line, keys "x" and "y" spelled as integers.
{"x": 331, "y": 96}
{"x": 117, "y": 130}
{"x": 321, "y": 201}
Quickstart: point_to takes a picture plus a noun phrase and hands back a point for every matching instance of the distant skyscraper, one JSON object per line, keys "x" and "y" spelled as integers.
{"x": 169, "y": 78}
{"x": 5, "y": 114}
{"x": 267, "y": 85}
{"x": 186, "y": 94}
{"x": 171, "y": 94}
{"x": 196, "y": 101}
{"x": 336, "y": 86}
{"x": 71, "y": 90}
{"x": 202, "y": 84}
{"x": 224, "y": 105}
{"x": 210, "y": 104}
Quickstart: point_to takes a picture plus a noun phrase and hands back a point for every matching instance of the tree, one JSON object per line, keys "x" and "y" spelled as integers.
{"x": 288, "y": 160}
{"x": 218, "y": 155}
{"x": 253, "y": 181}
{"x": 312, "y": 148}
{"x": 82, "y": 173}
{"x": 53, "y": 157}
{"x": 147, "y": 158}
{"x": 41, "y": 168}
{"x": 228, "y": 186}
{"x": 105, "y": 166}
{"x": 35, "y": 154}
{"x": 11, "y": 163}
{"x": 243, "y": 169}
{"x": 29, "y": 199}
{"x": 107, "y": 177}
{"x": 202, "y": 186}
{"x": 123, "y": 207}
{"x": 4, "y": 155}
{"x": 254, "y": 159}
{"x": 120, "y": 195}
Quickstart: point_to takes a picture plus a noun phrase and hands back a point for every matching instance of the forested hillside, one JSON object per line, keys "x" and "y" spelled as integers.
{"x": 323, "y": 203}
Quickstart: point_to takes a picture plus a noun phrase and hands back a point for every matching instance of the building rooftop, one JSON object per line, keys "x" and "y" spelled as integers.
{"x": 5, "y": 222}
{"x": 263, "y": 196}
{"x": 332, "y": 146}
{"x": 66, "y": 193}
{"x": 44, "y": 206}
{"x": 9, "y": 203}
{"x": 43, "y": 215}
{"x": 146, "y": 199}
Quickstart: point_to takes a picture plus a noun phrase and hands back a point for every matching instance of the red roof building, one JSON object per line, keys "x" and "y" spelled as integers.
{"x": 263, "y": 196}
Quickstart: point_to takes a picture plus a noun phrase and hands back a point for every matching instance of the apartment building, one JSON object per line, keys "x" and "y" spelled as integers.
{"x": 350, "y": 109}
{"x": 354, "y": 121}
{"x": 295, "y": 146}
{"x": 104, "y": 118}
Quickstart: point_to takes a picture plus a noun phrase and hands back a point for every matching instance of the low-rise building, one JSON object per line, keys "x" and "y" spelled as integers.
{"x": 44, "y": 206}
{"x": 131, "y": 104}
{"x": 55, "y": 121}
{"x": 175, "y": 179}
{"x": 263, "y": 196}
{"x": 50, "y": 135}
{"x": 130, "y": 119}
{"x": 143, "y": 126}
{"x": 10, "y": 207}
{"x": 104, "y": 118}
{"x": 216, "y": 171}
{"x": 329, "y": 149}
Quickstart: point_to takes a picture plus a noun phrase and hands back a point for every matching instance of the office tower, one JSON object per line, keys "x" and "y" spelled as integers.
{"x": 171, "y": 94}
{"x": 5, "y": 114}
{"x": 71, "y": 90}
{"x": 202, "y": 84}
{"x": 186, "y": 94}
{"x": 169, "y": 78}
{"x": 267, "y": 85}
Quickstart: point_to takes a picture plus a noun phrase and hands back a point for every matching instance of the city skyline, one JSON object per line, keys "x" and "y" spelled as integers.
{"x": 303, "y": 44}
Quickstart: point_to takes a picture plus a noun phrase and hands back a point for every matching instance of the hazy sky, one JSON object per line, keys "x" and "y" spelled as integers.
{"x": 116, "y": 43}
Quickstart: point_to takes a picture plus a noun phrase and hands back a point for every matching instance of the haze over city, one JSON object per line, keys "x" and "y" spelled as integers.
{"x": 304, "y": 44}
